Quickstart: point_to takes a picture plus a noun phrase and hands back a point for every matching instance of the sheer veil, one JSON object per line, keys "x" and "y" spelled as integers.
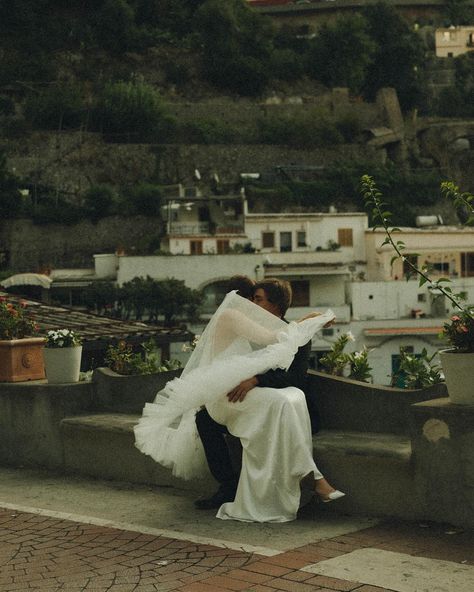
{"x": 240, "y": 341}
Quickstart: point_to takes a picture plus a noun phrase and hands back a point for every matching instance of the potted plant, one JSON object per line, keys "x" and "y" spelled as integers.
{"x": 62, "y": 356}
{"x": 21, "y": 355}
{"x": 458, "y": 360}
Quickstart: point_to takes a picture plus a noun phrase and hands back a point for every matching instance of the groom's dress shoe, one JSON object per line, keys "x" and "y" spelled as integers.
{"x": 212, "y": 503}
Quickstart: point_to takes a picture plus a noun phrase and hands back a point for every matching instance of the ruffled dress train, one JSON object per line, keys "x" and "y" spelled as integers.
{"x": 241, "y": 340}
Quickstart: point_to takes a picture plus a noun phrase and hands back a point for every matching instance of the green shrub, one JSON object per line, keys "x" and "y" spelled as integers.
{"x": 144, "y": 199}
{"x": 210, "y": 131}
{"x": 134, "y": 111}
{"x": 115, "y": 25}
{"x": 51, "y": 210}
{"x": 57, "y": 107}
{"x": 7, "y": 106}
{"x": 10, "y": 197}
{"x": 286, "y": 64}
{"x": 304, "y": 130}
{"x": 99, "y": 202}
{"x": 122, "y": 358}
{"x": 14, "y": 128}
{"x": 177, "y": 73}
{"x": 349, "y": 126}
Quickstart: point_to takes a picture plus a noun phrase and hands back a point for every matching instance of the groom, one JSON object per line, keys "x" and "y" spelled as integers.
{"x": 274, "y": 295}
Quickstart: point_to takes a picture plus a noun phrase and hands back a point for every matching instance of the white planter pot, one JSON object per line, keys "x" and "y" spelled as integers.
{"x": 459, "y": 375}
{"x": 62, "y": 364}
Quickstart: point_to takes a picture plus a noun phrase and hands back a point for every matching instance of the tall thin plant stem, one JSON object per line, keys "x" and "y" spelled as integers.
{"x": 381, "y": 217}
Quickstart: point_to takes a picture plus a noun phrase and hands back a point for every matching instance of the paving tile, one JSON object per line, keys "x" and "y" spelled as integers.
{"x": 290, "y": 586}
{"x": 226, "y": 582}
{"x": 249, "y": 576}
{"x": 268, "y": 569}
{"x": 334, "y": 583}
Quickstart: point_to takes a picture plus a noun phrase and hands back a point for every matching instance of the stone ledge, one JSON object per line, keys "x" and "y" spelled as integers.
{"x": 328, "y": 441}
{"x": 108, "y": 422}
{"x": 363, "y": 444}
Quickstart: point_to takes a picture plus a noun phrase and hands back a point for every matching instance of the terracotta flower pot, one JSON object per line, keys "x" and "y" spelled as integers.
{"x": 21, "y": 359}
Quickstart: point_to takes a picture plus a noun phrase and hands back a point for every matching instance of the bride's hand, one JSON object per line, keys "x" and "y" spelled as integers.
{"x": 311, "y": 315}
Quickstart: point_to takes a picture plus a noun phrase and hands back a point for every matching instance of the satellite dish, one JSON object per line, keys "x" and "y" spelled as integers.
{"x": 197, "y": 174}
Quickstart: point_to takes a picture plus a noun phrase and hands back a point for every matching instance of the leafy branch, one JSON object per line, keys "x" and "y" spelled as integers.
{"x": 381, "y": 217}
{"x": 460, "y": 200}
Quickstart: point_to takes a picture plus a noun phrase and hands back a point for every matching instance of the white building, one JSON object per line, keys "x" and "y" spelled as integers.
{"x": 454, "y": 41}
{"x": 333, "y": 260}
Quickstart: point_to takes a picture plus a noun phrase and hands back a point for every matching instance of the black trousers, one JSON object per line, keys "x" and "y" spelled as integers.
{"x": 217, "y": 452}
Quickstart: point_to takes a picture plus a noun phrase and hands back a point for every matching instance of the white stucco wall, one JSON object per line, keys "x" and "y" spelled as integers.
{"x": 319, "y": 228}
{"x": 440, "y": 244}
{"x": 197, "y": 271}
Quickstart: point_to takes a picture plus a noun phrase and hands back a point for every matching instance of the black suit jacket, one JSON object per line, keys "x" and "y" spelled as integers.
{"x": 296, "y": 375}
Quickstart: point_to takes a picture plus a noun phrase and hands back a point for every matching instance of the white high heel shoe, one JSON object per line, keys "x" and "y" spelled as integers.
{"x": 331, "y": 497}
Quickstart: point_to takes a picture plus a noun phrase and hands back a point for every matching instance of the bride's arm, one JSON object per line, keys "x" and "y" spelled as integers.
{"x": 312, "y": 315}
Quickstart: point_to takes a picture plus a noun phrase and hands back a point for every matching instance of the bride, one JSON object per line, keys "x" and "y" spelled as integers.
{"x": 241, "y": 340}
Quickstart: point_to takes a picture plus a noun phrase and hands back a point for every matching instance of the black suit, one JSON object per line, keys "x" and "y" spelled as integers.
{"x": 213, "y": 434}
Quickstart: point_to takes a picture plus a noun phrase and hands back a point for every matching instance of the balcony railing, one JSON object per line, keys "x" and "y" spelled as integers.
{"x": 194, "y": 229}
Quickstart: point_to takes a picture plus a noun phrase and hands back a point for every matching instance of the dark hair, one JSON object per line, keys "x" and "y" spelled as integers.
{"x": 277, "y": 292}
{"x": 243, "y": 284}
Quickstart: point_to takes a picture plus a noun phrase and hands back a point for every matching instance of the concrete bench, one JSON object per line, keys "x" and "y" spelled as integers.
{"x": 373, "y": 468}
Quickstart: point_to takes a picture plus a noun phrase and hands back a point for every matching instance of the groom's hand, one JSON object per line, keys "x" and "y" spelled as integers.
{"x": 240, "y": 391}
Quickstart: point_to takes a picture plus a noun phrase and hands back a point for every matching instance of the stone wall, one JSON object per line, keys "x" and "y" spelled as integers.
{"x": 31, "y": 247}
{"x": 73, "y": 163}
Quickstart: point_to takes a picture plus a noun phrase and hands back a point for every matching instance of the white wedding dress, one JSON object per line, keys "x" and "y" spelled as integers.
{"x": 240, "y": 341}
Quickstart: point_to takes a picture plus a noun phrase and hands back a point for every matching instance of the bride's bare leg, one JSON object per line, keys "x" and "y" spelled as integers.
{"x": 322, "y": 487}
{"x": 324, "y": 490}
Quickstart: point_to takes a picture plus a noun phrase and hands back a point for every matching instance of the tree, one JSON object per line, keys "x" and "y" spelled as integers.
{"x": 342, "y": 52}
{"x": 99, "y": 201}
{"x": 237, "y": 44}
{"x": 135, "y": 109}
{"x": 144, "y": 199}
{"x": 459, "y": 12}
{"x": 399, "y": 56}
{"x": 169, "y": 298}
{"x": 115, "y": 25}
{"x": 10, "y": 197}
{"x": 177, "y": 300}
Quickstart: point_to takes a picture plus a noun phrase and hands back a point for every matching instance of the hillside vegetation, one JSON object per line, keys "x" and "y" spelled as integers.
{"x": 115, "y": 66}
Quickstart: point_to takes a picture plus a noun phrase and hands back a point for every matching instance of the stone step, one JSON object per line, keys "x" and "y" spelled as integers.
{"x": 103, "y": 445}
{"x": 374, "y": 469}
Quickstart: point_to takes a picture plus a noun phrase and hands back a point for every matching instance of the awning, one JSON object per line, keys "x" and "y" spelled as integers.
{"x": 394, "y": 331}
{"x": 27, "y": 279}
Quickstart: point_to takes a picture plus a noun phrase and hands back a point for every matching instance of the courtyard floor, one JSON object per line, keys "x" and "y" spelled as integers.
{"x": 74, "y": 534}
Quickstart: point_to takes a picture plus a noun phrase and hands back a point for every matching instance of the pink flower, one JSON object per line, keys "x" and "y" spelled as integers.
{"x": 455, "y": 318}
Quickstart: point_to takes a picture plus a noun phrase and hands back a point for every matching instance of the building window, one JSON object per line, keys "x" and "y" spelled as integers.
{"x": 301, "y": 238}
{"x": 222, "y": 246}
{"x": 300, "y": 289}
{"x": 441, "y": 267}
{"x": 467, "y": 264}
{"x": 407, "y": 269}
{"x": 268, "y": 240}
{"x": 285, "y": 242}
{"x": 196, "y": 247}
{"x": 344, "y": 237}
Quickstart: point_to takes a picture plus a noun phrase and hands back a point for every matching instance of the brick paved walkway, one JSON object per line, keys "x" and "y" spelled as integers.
{"x": 49, "y": 554}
